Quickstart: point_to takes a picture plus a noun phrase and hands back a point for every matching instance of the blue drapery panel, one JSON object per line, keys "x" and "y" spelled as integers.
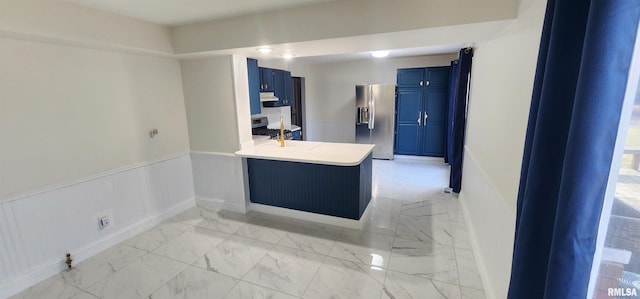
{"x": 458, "y": 116}
{"x": 453, "y": 83}
{"x": 583, "y": 63}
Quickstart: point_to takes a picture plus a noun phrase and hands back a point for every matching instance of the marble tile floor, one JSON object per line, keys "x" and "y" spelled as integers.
{"x": 415, "y": 245}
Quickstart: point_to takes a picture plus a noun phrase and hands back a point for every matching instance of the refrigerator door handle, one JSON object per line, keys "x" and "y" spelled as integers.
{"x": 372, "y": 108}
{"x": 419, "y": 117}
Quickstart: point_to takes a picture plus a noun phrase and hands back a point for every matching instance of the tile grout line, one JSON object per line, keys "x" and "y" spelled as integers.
{"x": 191, "y": 264}
{"x": 268, "y": 288}
{"x": 386, "y": 273}
{"x": 315, "y": 274}
{"x": 256, "y": 264}
{"x": 113, "y": 273}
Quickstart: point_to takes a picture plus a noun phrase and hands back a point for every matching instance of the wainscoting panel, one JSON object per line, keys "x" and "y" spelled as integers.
{"x": 491, "y": 226}
{"x": 38, "y": 229}
{"x": 10, "y": 260}
{"x": 219, "y": 180}
{"x": 169, "y": 183}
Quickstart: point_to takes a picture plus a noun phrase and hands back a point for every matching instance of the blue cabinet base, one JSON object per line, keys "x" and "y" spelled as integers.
{"x": 341, "y": 191}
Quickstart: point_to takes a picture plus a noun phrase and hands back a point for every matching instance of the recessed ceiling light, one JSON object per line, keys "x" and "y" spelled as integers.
{"x": 288, "y": 56}
{"x": 265, "y": 50}
{"x": 380, "y": 54}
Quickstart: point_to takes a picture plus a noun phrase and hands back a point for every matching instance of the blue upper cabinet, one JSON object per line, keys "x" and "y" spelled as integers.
{"x": 278, "y": 86}
{"x": 288, "y": 88}
{"x": 413, "y": 77}
{"x": 267, "y": 79}
{"x": 273, "y": 80}
{"x": 254, "y": 85}
{"x": 282, "y": 88}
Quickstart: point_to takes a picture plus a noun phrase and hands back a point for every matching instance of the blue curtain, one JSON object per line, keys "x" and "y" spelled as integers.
{"x": 453, "y": 83}
{"x": 583, "y": 63}
{"x": 458, "y": 116}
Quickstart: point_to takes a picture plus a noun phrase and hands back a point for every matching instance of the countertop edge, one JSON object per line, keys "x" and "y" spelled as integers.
{"x": 310, "y": 161}
{"x": 284, "y": 159}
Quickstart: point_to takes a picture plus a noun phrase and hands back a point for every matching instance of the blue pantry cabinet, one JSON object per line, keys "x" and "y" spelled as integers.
{"x": 421, "y": 111}
{"x": 409, "y": 121}
{"x": 254, "y": 85}
{"x": 413, "y": 77}
{"x": 423, "y": 77}
{"x": 434, "y": 121}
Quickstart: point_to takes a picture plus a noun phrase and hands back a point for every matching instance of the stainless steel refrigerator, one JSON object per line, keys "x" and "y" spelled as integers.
{"x": 375, "y": 118}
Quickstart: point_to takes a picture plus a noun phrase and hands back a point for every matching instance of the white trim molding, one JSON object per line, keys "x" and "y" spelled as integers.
{"x": 92, "y": 177}
{"x": 91, "y": 45}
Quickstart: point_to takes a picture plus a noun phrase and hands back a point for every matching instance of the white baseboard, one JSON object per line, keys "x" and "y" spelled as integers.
{"x": 215, "y": 204}
{"x": 29, "y": 279}
{"x": 313, "y": 217}
{"x": 418, "y": 158}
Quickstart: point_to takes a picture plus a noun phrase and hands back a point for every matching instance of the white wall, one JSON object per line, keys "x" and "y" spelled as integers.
{"x": 217, "y": 100}
{"x": 330, "y": 91}
{"x": 501, "y": 86}
{"x": 241, "y": 97}
{"x": 210, "y": 102}
{"x": 67, "y": 113}
{"x": 335, "y": 19}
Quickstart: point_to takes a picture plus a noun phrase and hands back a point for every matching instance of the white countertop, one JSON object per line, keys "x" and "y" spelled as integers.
{"x": 341, "y": 154}
{"x": 286, "y": 127}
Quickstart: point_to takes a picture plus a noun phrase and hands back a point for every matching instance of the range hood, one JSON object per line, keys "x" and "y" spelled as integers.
{"x": 268, "y": 97}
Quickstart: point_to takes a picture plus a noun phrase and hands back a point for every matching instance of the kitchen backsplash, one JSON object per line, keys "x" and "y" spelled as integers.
{"x": 273, "y": 115}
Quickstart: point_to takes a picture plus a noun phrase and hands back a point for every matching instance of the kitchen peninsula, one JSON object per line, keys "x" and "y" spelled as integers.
{"x": 331, "y": 179}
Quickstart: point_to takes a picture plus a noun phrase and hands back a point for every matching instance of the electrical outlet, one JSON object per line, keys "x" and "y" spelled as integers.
{"x": 104, "y": 221}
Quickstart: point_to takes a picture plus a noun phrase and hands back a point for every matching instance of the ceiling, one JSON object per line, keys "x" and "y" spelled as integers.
{"x": 178, "y": 12}
{"x": 427, "y": 41}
